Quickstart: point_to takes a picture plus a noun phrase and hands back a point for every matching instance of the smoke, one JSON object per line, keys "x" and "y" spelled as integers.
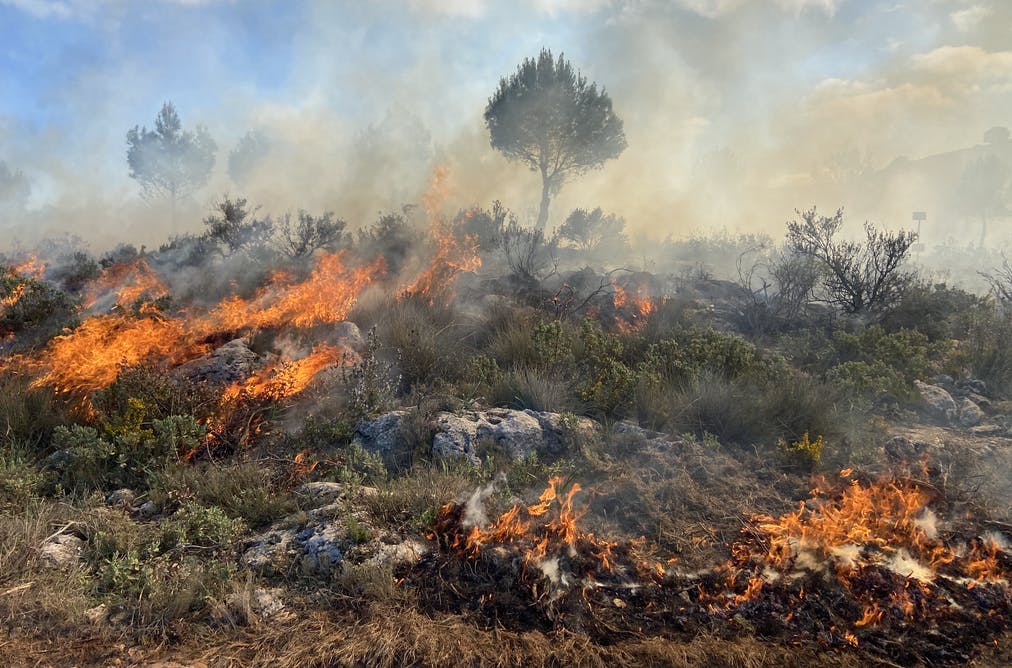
{"x": 474, "y": 510}
{"x": 736, "y": 112}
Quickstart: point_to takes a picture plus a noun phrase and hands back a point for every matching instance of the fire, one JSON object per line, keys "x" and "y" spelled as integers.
{"x": 130, "y": 284}
{"x": 31, "y": 267}
{"x": 287, "y": 379}
{"x": 8, "y": 302}
{"x": 634, "y": 307}
{"x": 325, "y": 297}
{"x": 90, "y": 357}
{"x": 453, "y": 256}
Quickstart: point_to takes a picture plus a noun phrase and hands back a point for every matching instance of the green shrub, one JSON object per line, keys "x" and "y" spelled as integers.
{"x": 606, "y": 382}
{"x": 32, "y": 310}
{"x": 804, "y": 451}
{"x": 986, "y": 353}
{"x": 203, "y": 526}
{"x": 161, "y": 395}
{"x": 20, "y": 479}
{"x": 123, "y": 458}
{"x": 245, "y": 491}
{"x": 27, "y": 415}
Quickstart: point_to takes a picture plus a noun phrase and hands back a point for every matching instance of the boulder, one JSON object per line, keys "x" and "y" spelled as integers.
{"x": 61, "y": 550}
{"x": 513, "y": 432}
{"x": 970, "y": 414}
{"x": 231, "y": 363}
{"x": 381, "y": 435}
{"x": 938, "y": 403}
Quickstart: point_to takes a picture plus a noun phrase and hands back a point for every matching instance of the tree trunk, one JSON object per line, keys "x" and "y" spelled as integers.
{"x": 545, "y": 197}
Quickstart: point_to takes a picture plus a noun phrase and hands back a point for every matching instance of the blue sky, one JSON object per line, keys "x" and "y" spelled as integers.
{"x": 781, "y": 83}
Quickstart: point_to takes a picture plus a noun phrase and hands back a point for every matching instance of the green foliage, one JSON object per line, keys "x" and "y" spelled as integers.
{"x": 549, "y": 117}
{"x": 161, "y": 394}
{"x": 804, "y": 451}
{"x": 27, "y": 415}
{"x": 357, "y": 532}
{"x": 606, "y": 382}
{"x": 371, "y": 383}
{"x": 32, "y": 310}
{"x": 123, "y": 458}
{"x": 20, "y": 478}
{"x": 986, "y": 353}
{"x": 246, "y": 491}
{"x": 203, "y": 526}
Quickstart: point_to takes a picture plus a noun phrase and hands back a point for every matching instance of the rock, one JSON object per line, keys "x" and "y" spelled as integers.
{"x": 970, "y": 414}
{"x": 268, "y": 552}
{"x": 121, "y": 498}
{"x": 320, "y": 493}
{"x": 231, "y": 363}
{"x": 98, "y": 614}
{"x": 972, "y": 385}
{"x": 268, "y": 602}
{"x": 991, "y": 429}
{"x": 515, "y": 433}
{"x": 146, "y": 510}
{"x": 61, "y": 550}
{"x": 381, "y": 435}
{"x": 937, "y": 401}
{"x": 347, "y": 334}
{"x": 406, "y": 553}
{"x": 323, "y": 547}
{"x": 980, "y": 400}
{"x": 318, "y": 549}
{"x": 900, "y": 448}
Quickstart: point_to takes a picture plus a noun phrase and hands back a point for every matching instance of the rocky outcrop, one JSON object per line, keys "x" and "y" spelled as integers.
{"x": 231, "y": 363}
{"x": 514, "y": 433}
{"x": 937, "y": 401}
{"x": 61, "y": 550}
{"x": 970, "y": 414}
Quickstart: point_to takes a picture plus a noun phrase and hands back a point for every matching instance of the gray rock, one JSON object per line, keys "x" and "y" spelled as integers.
{"x": 268, "y": 602}
{"x": 970, "y": 414}
{"x": 121, "y": 498}
{"x": 270, "y": 551}
{"x": 320, "y": 493}
{"x": 980, "y": 400}
{"x": 147, "y": 510}
{"x": 900, "y": 448}
{"x": 937, "y": 401}
{"x": 61, "y": 550}
{"x": 381, "y": 435}
{"x": 231, "y": 363}
{"x": 406, "y": 553}
{"x": 323, "y": 547}
{"x": 515, "y": 433}
{"x": 990, "y": 429}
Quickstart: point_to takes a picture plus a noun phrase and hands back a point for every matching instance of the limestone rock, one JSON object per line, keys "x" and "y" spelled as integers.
{"x": 970, "y": 414}
{"x": 937, "y": 401}
{"x": 61, "y": 550}
{"x": 231, "y": 363}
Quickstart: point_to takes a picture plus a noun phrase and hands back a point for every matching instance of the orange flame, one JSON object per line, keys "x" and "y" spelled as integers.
{"x": 130, "y": 283}
{"x": 288, "y": 378}
{"x": 31, "y": 267}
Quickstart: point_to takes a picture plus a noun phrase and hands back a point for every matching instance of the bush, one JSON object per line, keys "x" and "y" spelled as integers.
{"x": 203, "y": 526}
{"x": 123, "y": 458}
{"x": 28, "y": 415}
{"x": 31, "y": 310}
{"x": 243, "y": 491}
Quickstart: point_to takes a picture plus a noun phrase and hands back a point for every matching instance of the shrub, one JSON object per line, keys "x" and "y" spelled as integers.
{"x": 806, "y": 452}
{"x": 203, "y": 526}
{"x": 32, "y": 310}
{"x": 245, "y": 491}
{"x": 124, "y": 458}
{"x": 27, "y": 415}
{"x": 606, "y": 382}
{"x": 160, "y": 393}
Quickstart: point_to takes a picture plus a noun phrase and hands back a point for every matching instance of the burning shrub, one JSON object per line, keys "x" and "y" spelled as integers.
{"x": 30, "y": 309}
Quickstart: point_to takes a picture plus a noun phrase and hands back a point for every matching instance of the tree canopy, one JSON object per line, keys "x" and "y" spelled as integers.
{"x": 169, "y": 161}
{"x": 548, "y": 116}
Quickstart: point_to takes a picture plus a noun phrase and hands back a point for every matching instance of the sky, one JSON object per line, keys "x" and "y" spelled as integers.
{"x": 736, "y": 111}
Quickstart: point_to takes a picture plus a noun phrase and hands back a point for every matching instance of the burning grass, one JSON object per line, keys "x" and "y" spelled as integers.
{"x": 855, "y": 567}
